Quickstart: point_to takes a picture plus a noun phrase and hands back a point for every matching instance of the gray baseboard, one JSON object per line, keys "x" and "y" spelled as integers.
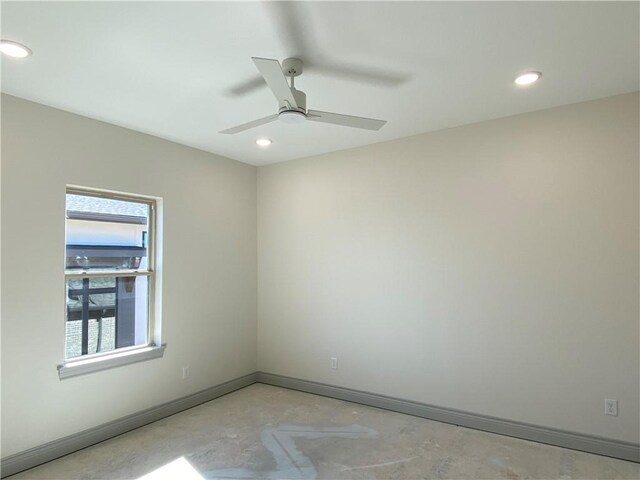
{"x": 552, "y": 436}
{"x": 49, "y": 451}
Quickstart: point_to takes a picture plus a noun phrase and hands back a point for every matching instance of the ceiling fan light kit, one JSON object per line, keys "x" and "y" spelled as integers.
{"x": 292, "y": 103}
{"x": 291, "y": 116}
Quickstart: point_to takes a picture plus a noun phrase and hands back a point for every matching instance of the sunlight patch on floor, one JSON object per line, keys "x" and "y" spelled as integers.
{"x": 179, "y": 468}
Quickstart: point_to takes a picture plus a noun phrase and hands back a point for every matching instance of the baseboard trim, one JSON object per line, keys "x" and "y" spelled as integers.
{"x": 576, "y": 441}
{"x": 33, "y": 457}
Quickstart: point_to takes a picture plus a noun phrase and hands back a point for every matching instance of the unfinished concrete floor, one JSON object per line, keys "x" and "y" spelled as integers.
{"x": 273, "y": 433}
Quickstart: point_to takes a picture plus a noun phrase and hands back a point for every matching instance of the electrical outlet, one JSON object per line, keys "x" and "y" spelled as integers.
{"x": 611, "y": 407}
{"x": 185, "y": 372}
{"x": 334, "y": 363}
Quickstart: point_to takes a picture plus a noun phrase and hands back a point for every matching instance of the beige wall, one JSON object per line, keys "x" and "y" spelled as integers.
{"x": 209, "y": 288}
{"x": 491, "y": 268}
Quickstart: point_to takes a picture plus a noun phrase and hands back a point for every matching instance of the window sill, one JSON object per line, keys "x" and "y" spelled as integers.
{"x": 117, "y": 359}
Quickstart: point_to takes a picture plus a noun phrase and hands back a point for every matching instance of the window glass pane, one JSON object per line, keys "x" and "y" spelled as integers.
{"x": 105, "y": 233}
{"x": 105, "y": 313}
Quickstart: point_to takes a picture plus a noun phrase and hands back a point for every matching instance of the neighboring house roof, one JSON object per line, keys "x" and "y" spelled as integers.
{"x": 86, "y": 207}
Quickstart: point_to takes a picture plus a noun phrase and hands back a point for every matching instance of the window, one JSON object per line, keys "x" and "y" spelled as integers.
{"x": 111, "y": 316}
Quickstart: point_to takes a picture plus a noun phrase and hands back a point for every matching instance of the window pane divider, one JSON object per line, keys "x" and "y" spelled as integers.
{"x": 110, "y": 273}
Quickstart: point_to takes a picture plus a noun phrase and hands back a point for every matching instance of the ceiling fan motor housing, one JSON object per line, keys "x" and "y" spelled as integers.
{"x": 294, "y": 114}
{"x": 291, "y": 116}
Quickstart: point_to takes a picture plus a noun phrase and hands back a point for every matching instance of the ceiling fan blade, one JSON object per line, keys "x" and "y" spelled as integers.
{"x": 245, "y": 87}
{"x": 277, "y": 82}
{"x": 357, "y": 73}
{"x": 247, "y": 126}
{"x": 293, "y": 24}
{"x": 345, "y": 120}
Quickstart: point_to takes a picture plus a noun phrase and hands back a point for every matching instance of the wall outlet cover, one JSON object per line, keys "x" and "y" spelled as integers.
{"x": 611, "y": 407}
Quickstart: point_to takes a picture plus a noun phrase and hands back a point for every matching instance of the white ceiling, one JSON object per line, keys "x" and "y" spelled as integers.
{"x": 176, "y": 69}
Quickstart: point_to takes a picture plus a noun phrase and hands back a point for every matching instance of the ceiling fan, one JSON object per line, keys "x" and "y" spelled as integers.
{"x": 292, "y": 103}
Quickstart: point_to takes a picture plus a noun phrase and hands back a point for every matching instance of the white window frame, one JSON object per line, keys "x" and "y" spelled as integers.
{"x": 154, "y": 347}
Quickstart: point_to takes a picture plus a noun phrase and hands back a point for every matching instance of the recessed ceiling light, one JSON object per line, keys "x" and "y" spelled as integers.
{"x": 263, "y": 142}
{"x": 14, "y": 49}
{"x": 528, "y": 78}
